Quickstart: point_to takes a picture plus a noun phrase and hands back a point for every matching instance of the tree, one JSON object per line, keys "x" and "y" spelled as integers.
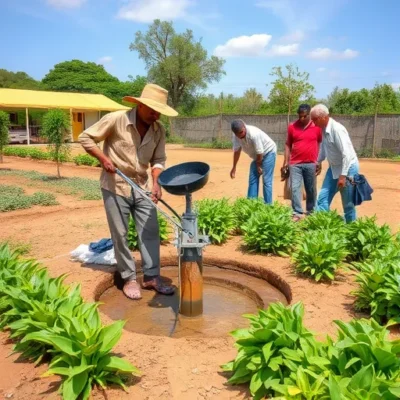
{"x": 287, "y": 90}
{"x": 17, "y": 80}
{"x": 56, "y": 129}
{"x": 89, "y": 77}
{"x": 251, "y": 101}
{"x": 175, "y": 61}
{"x": 4, "y": 125}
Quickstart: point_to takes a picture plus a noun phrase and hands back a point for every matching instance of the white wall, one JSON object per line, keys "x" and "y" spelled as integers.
{"x": 91, "y": 118}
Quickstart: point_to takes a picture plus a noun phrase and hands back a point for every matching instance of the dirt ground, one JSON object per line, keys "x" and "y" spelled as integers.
{"x": 172, "y": 368}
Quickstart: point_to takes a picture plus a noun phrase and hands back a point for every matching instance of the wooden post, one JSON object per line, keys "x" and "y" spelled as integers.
{"x": 27, "y": 127}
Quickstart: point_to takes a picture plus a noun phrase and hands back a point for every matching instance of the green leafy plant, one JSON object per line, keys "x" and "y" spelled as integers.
{"x": 319, "y": 253}
{"x": 365, "y": 238}
{"x": 324, "y": 220}
{"x": 243, "y": 209}
{"x": 13, "y": 198}
{"x": 4, "y": 139}
{"x": 56, "y": 128}
{"x": 49, "y": 319}
{"x": 86, "y": 159}
{"x": 215, "y": 219}
{"x": 270, "y": 230}
{"x": 281, "y": 359}
{"x": 271, "y": 351}
{"x": 378, "y": 289}
{"x": 164, "y": 229}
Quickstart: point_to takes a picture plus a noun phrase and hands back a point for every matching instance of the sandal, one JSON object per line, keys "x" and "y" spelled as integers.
{"x": 131, "y": 290}
{"x": 159, "y": 286}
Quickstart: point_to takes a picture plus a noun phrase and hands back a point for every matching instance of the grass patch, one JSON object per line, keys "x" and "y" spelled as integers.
{"x": 215, "y": 144}
{"x": 14, "y": 198}
{"x": 85, "y": 189}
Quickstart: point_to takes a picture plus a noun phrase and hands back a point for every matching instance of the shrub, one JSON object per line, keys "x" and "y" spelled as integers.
{"x": 365, "y": 238}
{"x": 4, "y": 125}
{"x": 324, "y": 220}
{"x": 276, "y": 352}
{"x": 37, "y": 154}
{"x": 16, "y": 151}
{"x": 378, "y": 289}
{"x": 278, "y": 356}
{"x": 86, "y": 159}
{"x": 243, "y": 209}
{"x": 319, "y": 253}
{"x": 48, "y": 319}
{"x": 172, "y": 139}
{"x": 270, "y": 230}
{"x": 164, "y": 228}
{"x": 44, "y": 199}
{"x": 215, "y": 219}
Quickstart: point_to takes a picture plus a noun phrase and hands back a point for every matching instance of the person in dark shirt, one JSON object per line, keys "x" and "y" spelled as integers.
{"x": 301, "y": 154}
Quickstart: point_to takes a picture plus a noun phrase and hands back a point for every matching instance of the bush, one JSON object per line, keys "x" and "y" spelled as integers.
{"x": 13, "y": 198}
{"x": 278, "y": 356}
{"x": 270, "y": 230}
{"x": 378, "y": 289}
{"x": 365, "y": 238}
{"x": 319, "y": 253}
{"x": 214, "y": 144}
{"x": 86, "y": 159}
{"x": 164, "y": 228}
{"x": 215, "y": 219}
{"x": 16, "y": 151}
{"x": 49, "y": 319}
{"x": 172, "y": 139}
{"x": 4, "y": 126}
{"x": 324, "y": 220}
{"x": 44, "y": 199}
{"x": 243, "y": 209}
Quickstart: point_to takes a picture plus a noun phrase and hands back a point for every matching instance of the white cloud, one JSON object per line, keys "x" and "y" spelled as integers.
{"x": 321, "y": 69}
{"x": 104, "y": 60}
{"x": 325, "y": 53}
{"x": 66, "y": 3}
{"x": 396, "y": 86}
{"x": 244, "y": 46}
{"x": 296, "y": 36}
{"x": 284, "y": 50}
{"x": 146, "y": 11}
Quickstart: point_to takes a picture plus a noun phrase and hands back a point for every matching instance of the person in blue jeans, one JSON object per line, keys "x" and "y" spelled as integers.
{"x": 262, "y": 150}
{"x": 338, "y": 149}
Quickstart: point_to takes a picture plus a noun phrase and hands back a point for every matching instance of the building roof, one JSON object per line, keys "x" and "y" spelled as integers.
{"x": 17, "y": 98}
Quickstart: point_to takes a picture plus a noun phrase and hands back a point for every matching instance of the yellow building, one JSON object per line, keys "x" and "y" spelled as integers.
{"x": 85, "y": 109}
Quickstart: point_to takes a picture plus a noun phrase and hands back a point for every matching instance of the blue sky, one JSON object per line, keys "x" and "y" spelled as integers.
{"x": 345, "y": 43}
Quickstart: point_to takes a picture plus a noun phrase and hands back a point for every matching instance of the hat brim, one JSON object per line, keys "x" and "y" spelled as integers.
{"x": 155, "y": 105}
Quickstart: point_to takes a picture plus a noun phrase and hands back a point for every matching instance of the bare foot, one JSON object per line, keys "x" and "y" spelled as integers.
{"x": 131, "y": 290}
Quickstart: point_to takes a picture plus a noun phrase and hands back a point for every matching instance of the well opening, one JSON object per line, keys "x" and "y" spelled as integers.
{"x": 229, "y": 291}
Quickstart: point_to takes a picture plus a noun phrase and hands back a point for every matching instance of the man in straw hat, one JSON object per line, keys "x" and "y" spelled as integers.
{"x": 133, "y": 140}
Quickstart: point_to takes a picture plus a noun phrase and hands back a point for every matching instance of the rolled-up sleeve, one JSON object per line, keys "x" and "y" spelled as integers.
{"x": 159, "y": 156}
{"x": 97, "y": 132}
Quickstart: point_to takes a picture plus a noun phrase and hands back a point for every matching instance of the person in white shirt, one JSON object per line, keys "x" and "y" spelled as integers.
{"x": 262, "y": 150}
{"x": 343, "y": 162}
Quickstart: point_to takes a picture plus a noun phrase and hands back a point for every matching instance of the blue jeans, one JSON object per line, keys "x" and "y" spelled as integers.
{"x": 330, "y": 188}
{"x": 268, "y": 166}
{"x": 298, "y": 174}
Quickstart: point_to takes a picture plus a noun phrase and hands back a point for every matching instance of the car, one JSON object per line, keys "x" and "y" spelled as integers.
{"x": 18, "y": 136}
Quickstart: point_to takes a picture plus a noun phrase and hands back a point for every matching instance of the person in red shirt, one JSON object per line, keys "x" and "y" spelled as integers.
{"x": 301, "y": 154}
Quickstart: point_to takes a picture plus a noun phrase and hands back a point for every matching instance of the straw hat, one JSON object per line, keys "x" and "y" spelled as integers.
{"x": 155, "y": 97}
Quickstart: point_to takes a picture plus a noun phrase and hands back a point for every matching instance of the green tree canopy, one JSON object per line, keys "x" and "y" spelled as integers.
{"x": 17, "y": 80}
{"x": 175, "y": 61}
{"x": 89, "y": 77}
{"x": 289, "y": 89}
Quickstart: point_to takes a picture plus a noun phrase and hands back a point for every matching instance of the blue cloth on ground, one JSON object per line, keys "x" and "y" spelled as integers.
{"x": 363, "y": 189}
{"x": 101, "y": 246}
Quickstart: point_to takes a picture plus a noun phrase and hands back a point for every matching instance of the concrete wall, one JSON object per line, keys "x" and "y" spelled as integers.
{"x": 360, "y": 128}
